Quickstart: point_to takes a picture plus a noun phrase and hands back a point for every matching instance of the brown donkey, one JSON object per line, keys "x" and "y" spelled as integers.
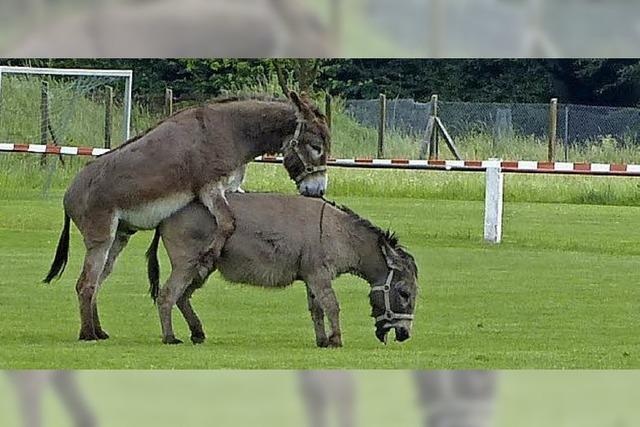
{"x": 191, "y": 155}
{"x": 280, "y": 239}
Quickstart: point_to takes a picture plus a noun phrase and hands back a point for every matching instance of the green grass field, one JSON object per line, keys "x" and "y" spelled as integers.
{"x": 525, "y": 399}
{"x": 560, "y": 292}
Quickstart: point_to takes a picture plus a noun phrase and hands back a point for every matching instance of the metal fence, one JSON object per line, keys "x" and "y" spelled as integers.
{"x": 577, "y": 124}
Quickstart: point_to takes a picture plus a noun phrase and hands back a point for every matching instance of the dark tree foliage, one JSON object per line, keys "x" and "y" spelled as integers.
{"x": 611, "y": 82}
{"x": 455, "y": 80}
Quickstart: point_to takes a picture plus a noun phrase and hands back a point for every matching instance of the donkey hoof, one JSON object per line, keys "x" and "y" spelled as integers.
{"x": 198, "y": 339}
{"x": 171, "y": 340}
{"x": 322, "y": 342}
{"x": 335, "y": 342}
{"x": 102, "y": 335}
{"x": 87, "y": 336}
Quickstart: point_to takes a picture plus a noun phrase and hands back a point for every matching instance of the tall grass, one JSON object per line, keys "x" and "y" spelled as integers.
{"x": 463, "y": 186}
{"x": 24, "y": 176}
{"x": 76, "y": 111}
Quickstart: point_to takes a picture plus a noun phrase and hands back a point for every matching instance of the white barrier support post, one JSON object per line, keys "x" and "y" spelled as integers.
{"x": 493, "y": 202}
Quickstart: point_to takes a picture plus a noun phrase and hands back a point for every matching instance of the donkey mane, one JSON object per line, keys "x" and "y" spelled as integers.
{"x": 384, "y": 236}
{"x": 264, "y": 97}
{"x": 224, "y": 99}
{"x": 247, "y": 96}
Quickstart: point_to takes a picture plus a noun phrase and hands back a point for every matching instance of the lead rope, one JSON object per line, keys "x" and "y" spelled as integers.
{"x": 324, "y": 205}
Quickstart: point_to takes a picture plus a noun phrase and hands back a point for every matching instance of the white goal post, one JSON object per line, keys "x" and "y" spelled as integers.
{"x": 126, "y": 74}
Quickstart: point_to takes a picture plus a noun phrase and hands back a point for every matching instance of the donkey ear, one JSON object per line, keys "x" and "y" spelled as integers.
{"x": 297, "y": 101}
{"x": 390, "y": 254}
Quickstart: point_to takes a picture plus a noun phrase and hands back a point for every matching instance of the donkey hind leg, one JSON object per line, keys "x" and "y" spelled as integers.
{"x": 87, "y": 286}
{"x": 212, "y": 196}
{"x": 326, "y": 299}
{"x": 67, "y": 387}
{"x": 178, "y": 282}
{"x": 118, "y": 245}
{"x": 317, "y": 315}
{"x": 184, "y": 305}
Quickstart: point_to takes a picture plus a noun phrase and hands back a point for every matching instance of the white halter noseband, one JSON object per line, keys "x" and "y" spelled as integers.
{"x": 389, "y": 315}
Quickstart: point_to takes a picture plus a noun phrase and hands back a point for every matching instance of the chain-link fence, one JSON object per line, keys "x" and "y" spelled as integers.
{"x": 60, "y": 110}
{"x": 513, "y": 130}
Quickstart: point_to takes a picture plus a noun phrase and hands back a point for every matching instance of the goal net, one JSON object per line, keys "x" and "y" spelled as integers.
{"x": 67, "y": 107}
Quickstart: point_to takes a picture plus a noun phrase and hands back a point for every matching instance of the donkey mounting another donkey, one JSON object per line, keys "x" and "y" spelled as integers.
{"x": 192, "y": 155}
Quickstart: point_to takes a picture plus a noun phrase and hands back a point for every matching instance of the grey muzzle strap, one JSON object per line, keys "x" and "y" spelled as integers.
{"x": 389, "y": 315}
{"x": 294, "y": 144}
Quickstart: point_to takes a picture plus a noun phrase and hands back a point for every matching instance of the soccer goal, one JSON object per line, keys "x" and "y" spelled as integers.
{"x": 68, "y": 107}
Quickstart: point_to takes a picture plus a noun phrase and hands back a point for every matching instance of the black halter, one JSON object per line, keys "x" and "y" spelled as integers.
{"x": 294, "y": 145}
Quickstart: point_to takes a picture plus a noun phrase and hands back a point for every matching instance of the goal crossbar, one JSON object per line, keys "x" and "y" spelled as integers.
{"x": 126, "y": 74}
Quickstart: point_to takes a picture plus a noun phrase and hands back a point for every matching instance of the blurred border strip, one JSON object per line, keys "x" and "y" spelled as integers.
{"x": 319, "y": 28}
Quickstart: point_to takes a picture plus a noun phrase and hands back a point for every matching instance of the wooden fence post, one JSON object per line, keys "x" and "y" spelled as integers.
{"x": 433, "y": 143}
{"x": 382, "y": 125}
{"x": 428, "y": 136}
{"x": 168, "y": 102}
{"x": 44, "y": 117}
{"x": 566, "y": 133}
{"x": 553, "y": 128}
{"x": 44, "y": 112}
{"x": 328, "y": 108}
{"x": 108, "y": 117}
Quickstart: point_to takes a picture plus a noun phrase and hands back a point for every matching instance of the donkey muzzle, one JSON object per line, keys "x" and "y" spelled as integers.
{"x": 314, "y": 185}
{"x": 402, "y": 333}
{"x": 401, "y": 329}
{"x": 381, "y": 333}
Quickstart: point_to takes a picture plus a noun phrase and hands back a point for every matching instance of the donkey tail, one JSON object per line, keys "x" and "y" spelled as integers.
{"x": 153, "y": 267}
{"x": 62, "y": 253}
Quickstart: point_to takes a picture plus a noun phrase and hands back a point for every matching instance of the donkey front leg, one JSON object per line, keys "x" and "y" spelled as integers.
{"x": 326, "y": 299}
{"x": 317, "y": 315}
{"x": 212, "y": 196}
{"x": 178, "y": 281}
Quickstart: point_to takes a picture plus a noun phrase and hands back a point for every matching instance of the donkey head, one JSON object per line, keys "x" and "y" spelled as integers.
{"x": 393, "y": 303}
{"x": 306, "y": 153}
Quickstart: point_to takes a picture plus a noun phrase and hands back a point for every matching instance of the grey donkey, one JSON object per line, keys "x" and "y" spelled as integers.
{"x": 280, "y": 239}
{"x": 30, "y": 386}
{"x": 192, "y": 155}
